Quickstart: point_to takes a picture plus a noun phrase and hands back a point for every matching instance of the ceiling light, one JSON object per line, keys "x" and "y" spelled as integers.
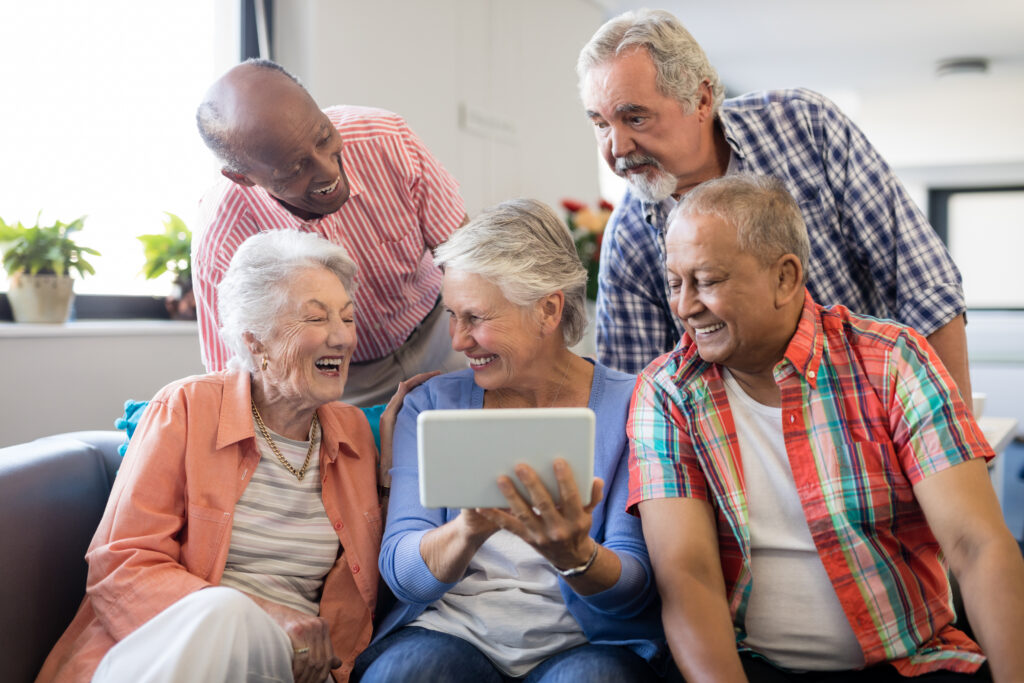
{"x": 962, "y": 66}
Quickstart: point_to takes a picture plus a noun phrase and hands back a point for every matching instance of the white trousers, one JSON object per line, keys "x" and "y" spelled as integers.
{"x": 429, "y": 347}
{"x": 212, "y": 635}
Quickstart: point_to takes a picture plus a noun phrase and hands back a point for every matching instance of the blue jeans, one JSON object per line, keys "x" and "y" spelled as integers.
{"x": 414, "y": 654}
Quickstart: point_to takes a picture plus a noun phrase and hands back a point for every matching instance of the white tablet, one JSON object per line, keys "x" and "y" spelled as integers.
{"x": 462, "y": 452}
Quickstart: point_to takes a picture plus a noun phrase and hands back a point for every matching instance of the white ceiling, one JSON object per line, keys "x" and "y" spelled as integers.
{"x": 858, "y": 45}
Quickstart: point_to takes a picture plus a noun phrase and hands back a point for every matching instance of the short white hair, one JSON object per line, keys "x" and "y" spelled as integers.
{"x": 254, "y": 290}
{"x": 525, "y": 249}
{"x": 679, "y": 60}
{"x": 767, "y": 219}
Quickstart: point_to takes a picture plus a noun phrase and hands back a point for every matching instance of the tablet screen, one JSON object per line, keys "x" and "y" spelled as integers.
{"x": 462, "y": 452}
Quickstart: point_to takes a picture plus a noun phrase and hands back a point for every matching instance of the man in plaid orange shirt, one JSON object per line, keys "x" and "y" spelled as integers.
{"x": 801, "y": 472}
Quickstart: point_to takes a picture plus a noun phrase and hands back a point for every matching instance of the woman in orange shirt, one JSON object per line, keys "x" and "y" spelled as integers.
{"x": 242, "y": 532}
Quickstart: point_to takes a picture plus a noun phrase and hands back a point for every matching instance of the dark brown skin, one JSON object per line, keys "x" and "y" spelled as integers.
{"x": 287, "y": 145}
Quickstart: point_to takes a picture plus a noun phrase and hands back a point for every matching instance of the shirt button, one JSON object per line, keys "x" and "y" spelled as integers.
{"x": 355, "y": 569}
{"x": 810, "y": 373}
{"x": 339, "y": 525}
{"x": 792, "y": 418}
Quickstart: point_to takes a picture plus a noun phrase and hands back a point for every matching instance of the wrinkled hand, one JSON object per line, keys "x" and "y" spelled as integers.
{"x": 475, "y": 524}
{"x": 561, "y": 533}
{"x": 305, "y": 631}
{"x": 387, "y": 423}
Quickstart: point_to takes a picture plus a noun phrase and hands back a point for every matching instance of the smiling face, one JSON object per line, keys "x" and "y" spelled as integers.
{"x": 500, "y": 339}
{"x": 735, "y": 308}
{"x": 312, "y": 341}
{"x": 286, "y": 144}
{"x": 645, "y": 136}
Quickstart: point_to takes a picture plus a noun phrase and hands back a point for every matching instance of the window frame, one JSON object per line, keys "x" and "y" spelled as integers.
{"x": 938, "y": 216}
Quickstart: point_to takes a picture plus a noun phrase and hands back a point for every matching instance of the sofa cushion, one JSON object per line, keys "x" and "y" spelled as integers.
{"x": 54, "y": 491}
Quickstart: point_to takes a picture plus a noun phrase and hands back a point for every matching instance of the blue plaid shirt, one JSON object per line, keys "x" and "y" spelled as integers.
{"x": 872, "y": 250}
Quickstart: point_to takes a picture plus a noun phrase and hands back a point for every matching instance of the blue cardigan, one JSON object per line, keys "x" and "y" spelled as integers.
{"x": 626, "y": 614}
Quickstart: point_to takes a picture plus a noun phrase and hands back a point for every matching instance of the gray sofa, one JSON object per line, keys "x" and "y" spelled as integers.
{"x": 53, "y": 491}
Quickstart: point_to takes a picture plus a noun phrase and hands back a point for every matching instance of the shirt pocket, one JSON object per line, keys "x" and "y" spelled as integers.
{"x": 204, "y": 538}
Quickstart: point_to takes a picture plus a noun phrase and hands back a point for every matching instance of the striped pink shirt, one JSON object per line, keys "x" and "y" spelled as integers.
{"x": 402, "y": 204}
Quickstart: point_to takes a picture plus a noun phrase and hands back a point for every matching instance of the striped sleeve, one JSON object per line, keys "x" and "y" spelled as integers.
{"x": 662, "y": 462}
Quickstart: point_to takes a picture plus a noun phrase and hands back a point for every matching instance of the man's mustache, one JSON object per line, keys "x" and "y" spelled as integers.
{"x": 631, "y": 161}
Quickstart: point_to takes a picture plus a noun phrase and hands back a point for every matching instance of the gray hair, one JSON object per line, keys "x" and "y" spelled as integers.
{"x": 254, "y": 290}
{"x": 527, "y": 251}
{"x": 215, "y": 129}
{"x": 767, "y": 219}
{"x": 679, "y": 60}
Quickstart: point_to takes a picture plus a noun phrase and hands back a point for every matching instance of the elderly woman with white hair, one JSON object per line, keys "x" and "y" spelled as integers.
{"x": 538, "y": 592}
{"x": 240, "y": 540}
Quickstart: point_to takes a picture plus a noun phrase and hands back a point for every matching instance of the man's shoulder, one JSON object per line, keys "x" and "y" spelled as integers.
{"x": 358, "y": 122}
{"x": 785, "y": 98}
{"x": 864, "y": 332}
{"x": 221, "y": 207}
{"x": 678, "y": 369}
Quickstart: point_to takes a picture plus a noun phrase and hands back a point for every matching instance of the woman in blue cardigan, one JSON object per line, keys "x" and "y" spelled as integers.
{"x": 537, "y": 592}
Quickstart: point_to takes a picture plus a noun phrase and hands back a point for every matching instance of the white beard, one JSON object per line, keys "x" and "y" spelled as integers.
{"x": 656, "y": 188}
{"x": 655, "y": 185}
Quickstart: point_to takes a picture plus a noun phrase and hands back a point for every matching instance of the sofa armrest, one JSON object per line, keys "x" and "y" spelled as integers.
{"x": 53, "y": 491}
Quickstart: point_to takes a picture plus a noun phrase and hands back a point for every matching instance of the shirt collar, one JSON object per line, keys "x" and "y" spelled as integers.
{"x": 356, "y": 184}
{"x": 236, "y": 419}
{"x": 235, "y": 413}
{"x": 806, "y": 347}
{"x": 338, "y": 441}
{"x": 729, "y": 130}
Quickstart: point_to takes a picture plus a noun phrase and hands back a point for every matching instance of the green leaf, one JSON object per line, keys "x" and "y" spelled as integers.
{"x": 169, "y": 251}
{"x": 42, "y": 249}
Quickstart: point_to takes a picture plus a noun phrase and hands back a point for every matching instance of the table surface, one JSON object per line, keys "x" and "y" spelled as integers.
{"x": 998, "y": 431}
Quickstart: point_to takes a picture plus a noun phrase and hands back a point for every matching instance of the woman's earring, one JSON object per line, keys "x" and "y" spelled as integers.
{"x": 263, "y": 366}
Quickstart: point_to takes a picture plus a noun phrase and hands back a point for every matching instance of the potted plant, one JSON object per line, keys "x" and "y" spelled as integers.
{"x": 171, "y": 252}
{"x": 39, "y": 260}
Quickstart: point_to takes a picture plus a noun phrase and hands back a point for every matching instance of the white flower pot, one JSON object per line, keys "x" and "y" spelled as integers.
{"x": 40, "y": 298}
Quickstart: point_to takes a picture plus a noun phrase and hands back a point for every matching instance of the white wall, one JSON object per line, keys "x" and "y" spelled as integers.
{"x": 510, "y": 64}
{"x": 59, "y": 378}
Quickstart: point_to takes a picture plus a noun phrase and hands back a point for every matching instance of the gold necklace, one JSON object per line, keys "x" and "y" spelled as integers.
{"x": 313, "y": 429}
{"x": 565, "y": 374}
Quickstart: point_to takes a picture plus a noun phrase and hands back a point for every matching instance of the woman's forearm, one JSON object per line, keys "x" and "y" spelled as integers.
{"x": 448, "y": 549}
{"x": 602, "y": 574}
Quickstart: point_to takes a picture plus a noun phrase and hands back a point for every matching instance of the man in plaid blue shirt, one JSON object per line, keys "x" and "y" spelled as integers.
{"x": 661, "y": 122}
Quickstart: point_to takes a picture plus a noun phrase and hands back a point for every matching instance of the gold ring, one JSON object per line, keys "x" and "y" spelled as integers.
{"x": 302, "y": 651}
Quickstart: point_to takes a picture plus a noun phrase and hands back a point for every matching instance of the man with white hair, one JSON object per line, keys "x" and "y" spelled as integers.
{"x": 660, "y": 120}
{"x": 803, "y": 473}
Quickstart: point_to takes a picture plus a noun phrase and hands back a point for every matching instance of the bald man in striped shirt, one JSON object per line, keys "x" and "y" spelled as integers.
{"x": 355, "y": 175}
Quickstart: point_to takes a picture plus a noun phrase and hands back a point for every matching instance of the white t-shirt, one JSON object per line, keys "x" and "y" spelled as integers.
{"x": 793, "y": 614}
{"x": 508, "y": 605}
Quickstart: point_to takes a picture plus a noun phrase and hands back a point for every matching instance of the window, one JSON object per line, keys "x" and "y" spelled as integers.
{"x": 99, "y": 103}
{"x": 984, "y": 229}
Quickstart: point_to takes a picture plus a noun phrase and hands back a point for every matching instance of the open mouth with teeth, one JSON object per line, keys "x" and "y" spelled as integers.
{"x": 481, "y": 362}
{"x": 330, "y": 365}
{"x": 708, "y": 329}
{"x": 329, "y": 190}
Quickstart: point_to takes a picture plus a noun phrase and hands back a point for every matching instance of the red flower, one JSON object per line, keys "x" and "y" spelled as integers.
{"x": 607, "y": 206}
{"x": 572, "y": 205}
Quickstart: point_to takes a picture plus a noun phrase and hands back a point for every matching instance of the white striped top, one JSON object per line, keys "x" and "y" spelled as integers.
{"x": 402, "y": 203}
{"x": 282, "y": 543}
